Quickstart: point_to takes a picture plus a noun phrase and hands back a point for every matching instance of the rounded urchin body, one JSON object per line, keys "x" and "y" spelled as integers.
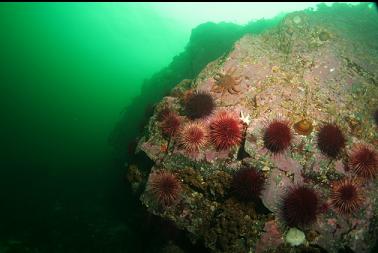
{"x": 299, "y": 206}
{"x": 170, "y": 124}
{"x": 164, "y": 187}
{"x": 331, "y": 140}
{"x": 248, "y": 183}
{"x": 226, "y": 130}
{"x": 277, "y": 136}
{"x": 199, "y": 105}
{"x": 346, "y": 196}
{"x": 193, "y": 136}
{"x": 363, "y": 160}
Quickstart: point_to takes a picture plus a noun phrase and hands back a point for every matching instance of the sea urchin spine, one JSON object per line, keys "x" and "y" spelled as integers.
{"x": 164, "y": 187}
{"x": 193, "y": 136}
{"x": 277, "y": 136}
{"x": 300, "y": 206}
{"x": 171, "y": 123}
{"x": 199, "y": 105}
{"x": 346, "y": 196}
{"x": 248, "y": 183}
{"x": 331, "y": 140}
{"x": 226, "y": 130}
{"x": 363, "y": 160}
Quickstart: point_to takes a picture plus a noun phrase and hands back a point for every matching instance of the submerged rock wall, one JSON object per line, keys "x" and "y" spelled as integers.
{"x": 281, "y": 152}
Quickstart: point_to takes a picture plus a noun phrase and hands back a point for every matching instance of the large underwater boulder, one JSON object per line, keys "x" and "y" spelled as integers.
{"x": 289, "y": 145}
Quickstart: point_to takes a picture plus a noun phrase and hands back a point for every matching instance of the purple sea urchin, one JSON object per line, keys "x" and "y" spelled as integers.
{"x": 363, "y": 160}
{"x": 277, "y": 136}
{"x": 299, "y": 206}
{"x": 248, "y": 183}
{"x": 346, "y": 196}
{"x": 199, "y": 105}
{"x": 331, "y": 140}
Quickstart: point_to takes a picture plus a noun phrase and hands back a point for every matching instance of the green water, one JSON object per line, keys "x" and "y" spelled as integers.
{"x": 68, "y": 74}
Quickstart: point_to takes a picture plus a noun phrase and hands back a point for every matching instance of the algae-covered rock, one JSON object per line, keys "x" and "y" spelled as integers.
{"x": 303, "y": 74}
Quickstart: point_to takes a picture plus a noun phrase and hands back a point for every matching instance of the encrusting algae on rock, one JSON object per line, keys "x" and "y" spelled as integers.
{"x": 303, "y": 169}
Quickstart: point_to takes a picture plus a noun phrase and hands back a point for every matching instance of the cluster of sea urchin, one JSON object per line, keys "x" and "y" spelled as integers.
{"x": 346, "y": 196}
{"x": 225, "y": 128}
{"x": 165, "y": 187}
{"x": 300, "y": 204}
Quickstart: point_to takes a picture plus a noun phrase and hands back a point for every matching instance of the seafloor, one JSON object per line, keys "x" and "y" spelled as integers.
{"x": 312, "y": 70}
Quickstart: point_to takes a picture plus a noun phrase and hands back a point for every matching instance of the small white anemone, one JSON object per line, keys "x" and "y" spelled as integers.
{"x": 295, "y": 237}
{"x": 245, "y": 118}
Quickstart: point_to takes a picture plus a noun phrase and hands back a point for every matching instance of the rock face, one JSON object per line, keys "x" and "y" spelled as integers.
{"x": 304, "y": 73}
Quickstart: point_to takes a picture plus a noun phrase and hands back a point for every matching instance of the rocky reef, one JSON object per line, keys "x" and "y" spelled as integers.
{"x": 294, "y": 110}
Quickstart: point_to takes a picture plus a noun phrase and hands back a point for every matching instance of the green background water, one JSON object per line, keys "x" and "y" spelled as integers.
{"x": 67, "y": 71}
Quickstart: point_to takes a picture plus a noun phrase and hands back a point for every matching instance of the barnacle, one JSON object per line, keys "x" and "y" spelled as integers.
{"x": 226, "y": 82}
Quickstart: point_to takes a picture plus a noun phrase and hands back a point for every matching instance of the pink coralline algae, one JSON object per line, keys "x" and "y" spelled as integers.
{"x": 271, "y": 238}
{"x": 275, "y": 186}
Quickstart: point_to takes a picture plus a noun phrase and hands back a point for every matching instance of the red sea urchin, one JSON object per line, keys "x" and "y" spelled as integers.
{"x": 193, "y": 136}
{"x": 363, "y": 160}
{"x": 300, "y": 206}
{"x": 331, "y": 140}
{"x": 164, "y": 187}
{"x": 248, "y": 183}
{"x": 199, "y": 105}
{"x": 170, "y": 124}
{"x": 226, "y": 130}
{"x": 277, "y": 136}
{"x": 346, "y": 196}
